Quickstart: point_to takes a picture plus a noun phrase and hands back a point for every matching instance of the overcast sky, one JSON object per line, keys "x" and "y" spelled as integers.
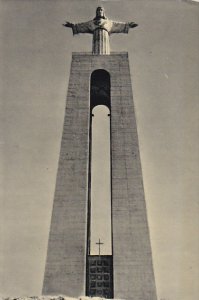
{"x": 35, "y": 64}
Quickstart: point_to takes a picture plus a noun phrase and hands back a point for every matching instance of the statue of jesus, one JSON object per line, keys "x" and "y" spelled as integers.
{"x": 100, "y": 27}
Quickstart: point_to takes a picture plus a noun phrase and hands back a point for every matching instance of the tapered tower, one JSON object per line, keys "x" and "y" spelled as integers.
{"x": 100, "y": 78}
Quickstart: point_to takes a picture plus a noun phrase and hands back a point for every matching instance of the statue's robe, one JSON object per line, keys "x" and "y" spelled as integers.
{"x": 101, "y": 29}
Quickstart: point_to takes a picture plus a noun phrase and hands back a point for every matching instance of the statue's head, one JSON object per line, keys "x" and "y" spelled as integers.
{"x": 100, "y": 13}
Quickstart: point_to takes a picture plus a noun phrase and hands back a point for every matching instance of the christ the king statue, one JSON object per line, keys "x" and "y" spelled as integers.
{"x": 100, "y": 27}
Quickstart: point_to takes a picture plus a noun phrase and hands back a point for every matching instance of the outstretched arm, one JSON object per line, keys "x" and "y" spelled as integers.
{"x": 79, "y": 28}
{"x": 121, "y": 27}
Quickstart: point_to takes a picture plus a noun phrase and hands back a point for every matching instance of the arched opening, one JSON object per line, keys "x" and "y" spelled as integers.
{"x": 100, "y": 104}
{"x": 100, "y": 88}
{"x": 99, "y": 262}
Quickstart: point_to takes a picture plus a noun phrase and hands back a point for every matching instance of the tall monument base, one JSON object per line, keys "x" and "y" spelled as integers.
{"x": 65, "y": 273}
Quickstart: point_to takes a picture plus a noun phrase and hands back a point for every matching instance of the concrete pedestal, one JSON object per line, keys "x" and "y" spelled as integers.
{"x": 66, "y": 258}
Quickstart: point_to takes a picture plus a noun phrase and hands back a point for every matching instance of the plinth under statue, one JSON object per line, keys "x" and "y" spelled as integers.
{"x": 99, "y": 78}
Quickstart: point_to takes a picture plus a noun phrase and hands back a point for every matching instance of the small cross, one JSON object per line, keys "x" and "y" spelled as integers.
{"x": 99, "y": 243}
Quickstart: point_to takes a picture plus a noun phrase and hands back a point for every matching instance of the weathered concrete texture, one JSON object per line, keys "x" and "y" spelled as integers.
{"x": 65, "y": 266}
{"x": 132, "y": 261}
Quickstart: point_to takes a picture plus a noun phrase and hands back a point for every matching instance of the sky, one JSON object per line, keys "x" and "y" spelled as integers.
{"x": 35, "y": 64}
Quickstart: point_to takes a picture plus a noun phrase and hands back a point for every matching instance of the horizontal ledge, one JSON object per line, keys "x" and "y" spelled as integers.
{"x": 106, "y": 55}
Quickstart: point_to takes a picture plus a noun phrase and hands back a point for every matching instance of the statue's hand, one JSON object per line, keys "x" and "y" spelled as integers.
{"x": 68, "y": 24}
{"x": 132, "y": 24}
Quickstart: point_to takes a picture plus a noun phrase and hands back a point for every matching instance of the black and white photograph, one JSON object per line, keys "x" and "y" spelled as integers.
{"x": 99, "y": 149}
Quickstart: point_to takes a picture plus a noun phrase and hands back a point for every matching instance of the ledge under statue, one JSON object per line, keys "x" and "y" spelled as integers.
{"x": 72, "y": 267}
{"x": 100, "y": 27}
